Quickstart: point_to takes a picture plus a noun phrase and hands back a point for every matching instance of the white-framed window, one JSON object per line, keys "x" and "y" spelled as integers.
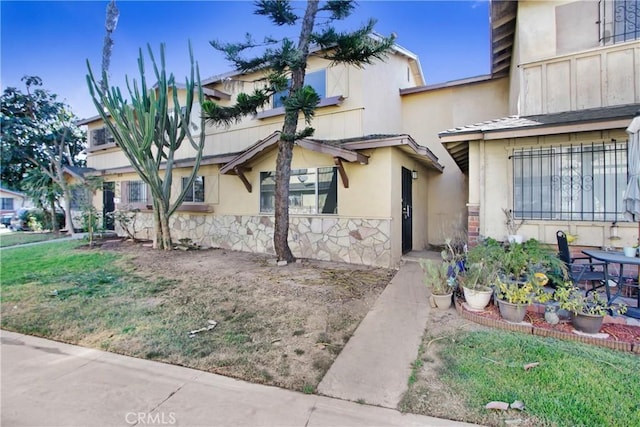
{"x": 583, "y": 182}
{"x": 6, "y": 203}
{"x": 317, "y": 80}
{"x": 195, "y": 192}
{"x": 619, "y": 21}
{"x": 311, "y": 191}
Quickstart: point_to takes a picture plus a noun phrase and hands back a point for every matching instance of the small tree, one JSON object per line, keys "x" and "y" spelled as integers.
{"x": 45, "y": 192}
{"x": 150, "y": 127}
{"x": 38, "y": 132}
{"x": 289, "y": 59}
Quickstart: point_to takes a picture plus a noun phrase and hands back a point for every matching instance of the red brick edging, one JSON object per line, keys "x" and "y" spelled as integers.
{"x": 542, "y": 332}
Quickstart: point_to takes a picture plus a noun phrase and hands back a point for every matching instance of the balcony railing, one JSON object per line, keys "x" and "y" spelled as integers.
{"x": 619, "y": 21}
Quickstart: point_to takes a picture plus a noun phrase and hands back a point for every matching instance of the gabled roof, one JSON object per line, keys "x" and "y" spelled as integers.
{"x": 414, "y": 63}
{"x": 77, "y": 171}
{"x": 270, "y": 141}
{"x": 345, "y": 149}
{"x": 15, "y": 193}
{"x": 456, "y": 140}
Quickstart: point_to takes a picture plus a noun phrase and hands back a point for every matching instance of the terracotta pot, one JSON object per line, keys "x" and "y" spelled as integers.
{"x": 443, "y": 302}
{"x": 512, "y": 313}
{"x": 588, "y": 323}
{"x": 477, "y": 299}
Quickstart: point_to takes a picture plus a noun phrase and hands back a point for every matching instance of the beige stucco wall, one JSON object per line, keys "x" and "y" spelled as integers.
{"x": 493, "y": 191}
{"x": 381, "y": 82}
{"x": 559, "y": 63}
{"x": 427, "y": 113}
{"x": 368, "y": 107}
{"x": 373, "y": 197}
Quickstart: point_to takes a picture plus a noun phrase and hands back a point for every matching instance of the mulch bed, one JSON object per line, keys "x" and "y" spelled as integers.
{"x": 620, "y": 336}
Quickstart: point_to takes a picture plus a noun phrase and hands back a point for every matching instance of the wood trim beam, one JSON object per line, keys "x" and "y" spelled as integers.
{"x": 343, "y": 173}
{"x": 243, "y": 178}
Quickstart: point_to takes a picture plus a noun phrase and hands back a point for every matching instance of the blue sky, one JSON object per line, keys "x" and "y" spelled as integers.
{"x": 54, "y": 39}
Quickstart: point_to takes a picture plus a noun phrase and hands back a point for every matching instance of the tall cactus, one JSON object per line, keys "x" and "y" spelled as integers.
{"x": 149, "y": 127}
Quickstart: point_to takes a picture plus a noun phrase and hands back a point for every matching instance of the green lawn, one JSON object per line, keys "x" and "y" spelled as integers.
{"x": 574, "y": 384}
{"x": 21, "y": 237}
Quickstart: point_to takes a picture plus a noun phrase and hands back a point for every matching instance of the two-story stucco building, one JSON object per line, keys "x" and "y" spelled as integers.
{"x": 381, "y": 176}
{"x": 558, "y": 159}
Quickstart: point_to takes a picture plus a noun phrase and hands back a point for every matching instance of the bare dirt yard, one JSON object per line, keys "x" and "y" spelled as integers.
{"x": 275, "y": 325}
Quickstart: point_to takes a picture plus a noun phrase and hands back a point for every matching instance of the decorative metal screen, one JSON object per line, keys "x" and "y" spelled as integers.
{"x": 583, "y": 182}
{"x": 619, "y": 21}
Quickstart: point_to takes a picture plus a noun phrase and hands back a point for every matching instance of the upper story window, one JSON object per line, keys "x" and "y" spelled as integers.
{"x": 6, "y": 203}
{"x": 311, "y": 191}
{"x": 195, "y": 192}
{"x": 317, "y": 80}
{"x": 619, "y": 21}
{"x": 101, "y": 136}
{"x": 583, "y": 182}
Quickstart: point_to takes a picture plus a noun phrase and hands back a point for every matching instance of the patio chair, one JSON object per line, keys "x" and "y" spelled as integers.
{"x": 581, "y": 269}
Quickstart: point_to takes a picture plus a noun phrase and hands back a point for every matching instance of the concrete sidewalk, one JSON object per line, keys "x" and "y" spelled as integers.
{"x": 375, "y": 365}
{"x": 46, "y": 383}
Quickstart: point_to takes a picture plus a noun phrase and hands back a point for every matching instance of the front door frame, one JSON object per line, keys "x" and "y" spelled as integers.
{"x": 407, "y": 211}
{"x": 108, "y": 205}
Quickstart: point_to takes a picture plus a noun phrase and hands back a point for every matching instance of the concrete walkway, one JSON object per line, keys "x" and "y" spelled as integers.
{"x": 46, "y": 383}
{"x": 375, "y": 365}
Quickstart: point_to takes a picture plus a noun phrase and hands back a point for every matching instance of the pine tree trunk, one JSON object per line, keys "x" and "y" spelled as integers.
{"x": 283, "y": 172}
{"x": 285, "y": 145}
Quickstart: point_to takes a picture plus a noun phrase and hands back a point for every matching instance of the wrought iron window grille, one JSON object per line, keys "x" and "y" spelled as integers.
{"x": 582, "y": 182}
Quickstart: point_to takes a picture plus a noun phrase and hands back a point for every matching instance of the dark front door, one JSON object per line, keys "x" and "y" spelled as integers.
{"x": 108, "y": 204}
{"x": 407, "y": 211}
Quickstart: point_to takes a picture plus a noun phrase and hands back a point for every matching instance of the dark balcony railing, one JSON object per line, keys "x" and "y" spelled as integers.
{"x": 619, "y": 21}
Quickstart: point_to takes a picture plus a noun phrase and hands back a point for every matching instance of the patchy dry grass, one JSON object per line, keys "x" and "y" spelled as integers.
{"x": 276, "y": 325}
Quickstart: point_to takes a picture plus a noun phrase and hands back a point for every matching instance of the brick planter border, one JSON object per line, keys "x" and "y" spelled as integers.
{"x": 542, "y": 332}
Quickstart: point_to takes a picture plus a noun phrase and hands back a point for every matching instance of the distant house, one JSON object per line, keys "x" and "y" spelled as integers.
{"x": 11, "y": 201}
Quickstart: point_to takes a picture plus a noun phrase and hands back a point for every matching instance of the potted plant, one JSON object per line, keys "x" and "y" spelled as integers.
{"x": 587, "y": 311}
{"x": 512, "y": 226}
{"x": 438, "y": 278}
{"x": 514, "y": 297}
{"x": 476, "y": 282}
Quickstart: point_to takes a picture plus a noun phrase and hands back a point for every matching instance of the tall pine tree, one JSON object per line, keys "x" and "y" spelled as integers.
{"x": 285, "y": 59}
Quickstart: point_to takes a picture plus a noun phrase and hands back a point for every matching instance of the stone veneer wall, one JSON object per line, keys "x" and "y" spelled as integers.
{"x": 328, "y": 238}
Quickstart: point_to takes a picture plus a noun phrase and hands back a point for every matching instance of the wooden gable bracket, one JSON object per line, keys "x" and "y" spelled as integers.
{"x": 343, "y": 173}
{"x": 240, "y": 172}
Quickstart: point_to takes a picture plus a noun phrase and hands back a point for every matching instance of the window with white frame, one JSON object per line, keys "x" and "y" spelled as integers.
{"x": 311, "y": 191}
{"x": 317, "y": 80}
{"x": 584, "y": 182}
{"x": 619, "y": 21}
{"x": 195, "y": 192}
{"x": 6, "y": 203}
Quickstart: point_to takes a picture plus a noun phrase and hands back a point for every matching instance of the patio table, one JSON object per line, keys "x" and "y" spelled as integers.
{"x": 618, "y": 257}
